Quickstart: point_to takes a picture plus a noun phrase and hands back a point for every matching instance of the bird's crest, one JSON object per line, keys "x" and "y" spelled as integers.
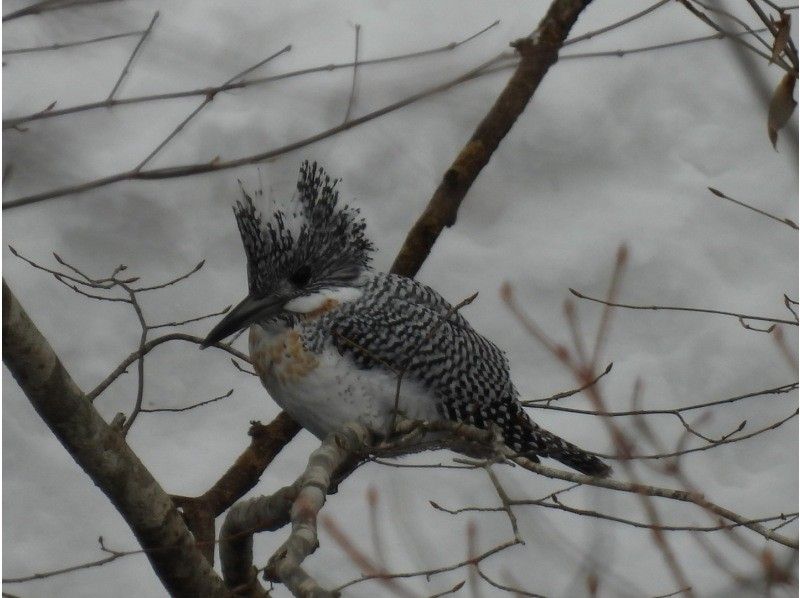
{"x": 314, "y": 234}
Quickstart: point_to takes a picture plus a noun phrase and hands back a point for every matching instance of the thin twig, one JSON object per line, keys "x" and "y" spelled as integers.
{"x": 189, "y": 321}
{"x": 509, "y": 589}
{"x": 61, "y": 46}
{"x": 172, "y": 281}
{"x": 242, "y": 369}
{"x": 637, "y": 412}
{"x": 739, "y": 40}
{"x": 692, "y": 309}
{"x": 137, "y": 407}
{"x": 452, "y": 590}
{"x": 149, "y": 346}
{"x": 501, "y": 493}
{"x": 48, "y": 5}
{"x": 203, "y": 91}
{"x": 113, "y": 556}
{"x": 206, "y": 101}
{"x": 182, "y": 409}
{"x": 605, "y": 318}
{"x": 217, "y": 165}
{"x": 625, "y": 21}
{"x": 127, "y": 66}
{"x": 785, "y": 221}
{"x": 620, "y": 53}
{"x": 568, "y": 393}
{"x": 428, "y": 573}
{"x": 728, "y": 439}
{"x": 351, "y": 101}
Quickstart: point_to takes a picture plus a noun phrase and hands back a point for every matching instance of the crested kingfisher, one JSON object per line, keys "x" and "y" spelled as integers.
{"x": 329, "y": 335}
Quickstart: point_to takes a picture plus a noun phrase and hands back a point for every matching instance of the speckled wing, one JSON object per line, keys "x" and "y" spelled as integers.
{"x": 401, "y": 324}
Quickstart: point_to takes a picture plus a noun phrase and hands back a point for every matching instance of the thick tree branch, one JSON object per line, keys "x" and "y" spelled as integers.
{"x": 299, "y": 503}
{"x": 538, "y": 53}
{"x": 103, "y": 454}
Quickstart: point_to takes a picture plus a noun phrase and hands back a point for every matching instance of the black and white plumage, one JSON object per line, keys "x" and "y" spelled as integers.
{"x": 328, "y": 336}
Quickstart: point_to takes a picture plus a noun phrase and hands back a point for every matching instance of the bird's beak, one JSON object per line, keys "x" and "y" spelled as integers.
{"x": 244, "y": 314}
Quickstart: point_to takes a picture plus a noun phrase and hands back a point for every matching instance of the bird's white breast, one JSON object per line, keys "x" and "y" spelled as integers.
{"x": 324, "y": 390}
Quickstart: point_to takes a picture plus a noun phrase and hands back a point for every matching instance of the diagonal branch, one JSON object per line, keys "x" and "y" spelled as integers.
{"x": 206, "y": 101}
{"x": 127, "y": 66}
{"x": 105, "y": 457}
{"x": 217, "y": 165}
{"x": 48, "y": 5}
{"x": 538, "y": 53}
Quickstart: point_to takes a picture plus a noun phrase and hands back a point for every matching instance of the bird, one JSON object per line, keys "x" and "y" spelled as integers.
{"x": 329, "y": 335}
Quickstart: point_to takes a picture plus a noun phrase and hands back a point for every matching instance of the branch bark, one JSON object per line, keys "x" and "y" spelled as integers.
{"x": 103, "y": 454}
{"x": 538, "y": 53}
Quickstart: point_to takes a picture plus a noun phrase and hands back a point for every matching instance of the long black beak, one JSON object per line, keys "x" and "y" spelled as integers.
{"x": 244, "y": 314}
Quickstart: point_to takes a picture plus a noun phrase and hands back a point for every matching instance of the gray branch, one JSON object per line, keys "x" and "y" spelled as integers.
{"x": 103, "y": 454}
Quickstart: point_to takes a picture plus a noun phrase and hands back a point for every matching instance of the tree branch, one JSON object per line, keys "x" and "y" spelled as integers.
{"x": 538, "y": 53}
{"x": 105, "y": 457}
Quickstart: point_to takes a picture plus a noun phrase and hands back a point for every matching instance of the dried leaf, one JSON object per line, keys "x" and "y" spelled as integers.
{"x": 781, "y": 107}
{"x": 781, "y": 37}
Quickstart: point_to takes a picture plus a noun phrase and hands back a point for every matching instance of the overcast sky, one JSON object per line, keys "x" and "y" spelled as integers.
{"x": 610, "y": 151}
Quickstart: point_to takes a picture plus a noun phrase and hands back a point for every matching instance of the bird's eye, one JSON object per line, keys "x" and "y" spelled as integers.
{"x": 301, "y": 276}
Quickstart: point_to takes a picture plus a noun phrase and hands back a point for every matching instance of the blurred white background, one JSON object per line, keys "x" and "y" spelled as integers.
{"x": 610, "y": 150}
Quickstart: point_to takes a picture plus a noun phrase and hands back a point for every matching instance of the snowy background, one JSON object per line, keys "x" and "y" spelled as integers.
{"x": 611, "y": 150}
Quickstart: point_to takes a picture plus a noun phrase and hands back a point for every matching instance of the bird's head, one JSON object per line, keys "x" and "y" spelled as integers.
{"x": 298, "y": 257}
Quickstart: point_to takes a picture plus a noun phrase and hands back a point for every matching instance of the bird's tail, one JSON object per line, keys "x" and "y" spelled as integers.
{"x": 546, "y": 444}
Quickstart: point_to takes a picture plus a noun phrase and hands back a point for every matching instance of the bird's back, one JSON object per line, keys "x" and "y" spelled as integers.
{"x": 402, "y": 326}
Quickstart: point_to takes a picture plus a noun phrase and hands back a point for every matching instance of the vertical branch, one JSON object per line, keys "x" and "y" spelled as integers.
{"x": 351, "y": 101}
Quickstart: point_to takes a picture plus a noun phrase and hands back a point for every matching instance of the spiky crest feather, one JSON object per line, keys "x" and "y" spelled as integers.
{"x": 330, "y": 239}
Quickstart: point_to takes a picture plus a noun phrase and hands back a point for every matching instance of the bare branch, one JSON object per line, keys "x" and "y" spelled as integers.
{"x": 172, "y": 281}
{"x": 307, "y": 496}
{"x": 48, "y": 5}
{"x": 501, "y": 493}
{"x": 428, "y": 573}
{"x": 61, "y": 46}
{"x": 242, "y": 369}
{"x": 726, "y": 439}
{"x": 217, "y": 165}
{"x": 127, "y": 66}
{"x": 182, "y": 409}
{"x": 568, "y": 393}
{"x": 692, "y": 309}
{"x": 204, "y": 91}
{"x": 363, "y": 562}
{"x": 206, "y": 101}
{"x": 113, "y": 556}
{"x": 636, "y": 412}
{"x": 149, "y": 346}
{"x": 739, "y": 40}
{"x": 499, "y": 586}
{"x": 625, "y": 21}
{"x": 537, "y": 54}
{"x": 785, "y": 221}
{"x": 351, "y": 101}
{"x": 642, "y": 489}
{"x": 622, "y": 52}
{"x": 224, "y": 310}
{"x": 107, "y": 459}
